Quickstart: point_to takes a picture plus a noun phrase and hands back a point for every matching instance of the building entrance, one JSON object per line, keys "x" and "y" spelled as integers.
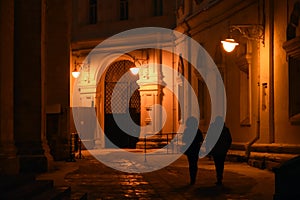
{"x": 114, "y": 134}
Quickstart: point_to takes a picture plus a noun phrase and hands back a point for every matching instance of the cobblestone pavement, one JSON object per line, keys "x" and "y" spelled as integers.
{"x": 101, "y": 182}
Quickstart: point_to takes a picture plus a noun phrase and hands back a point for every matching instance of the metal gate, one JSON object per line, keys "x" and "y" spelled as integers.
{"x": 113, "y": 133}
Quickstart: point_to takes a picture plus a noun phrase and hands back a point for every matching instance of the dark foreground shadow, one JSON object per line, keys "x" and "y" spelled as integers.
{"x": 212, "y": 192}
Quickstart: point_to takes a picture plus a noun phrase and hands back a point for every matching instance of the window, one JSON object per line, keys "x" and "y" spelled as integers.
{"x": 244, "y": 64}
{"x": 93, "y": 11}
{"x": 123, "y": 9}
{"x": 158, "y": 7}
{"x": 294, "y": 87}
{"x": 292, "y": 48}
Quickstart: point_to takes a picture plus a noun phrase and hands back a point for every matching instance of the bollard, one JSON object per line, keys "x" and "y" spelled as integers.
{"x": 73, "y": 147}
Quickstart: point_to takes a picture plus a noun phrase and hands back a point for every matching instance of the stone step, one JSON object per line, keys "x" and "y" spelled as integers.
{"x": 23, "y": 186}
{"x": 56, "y": 193}
{"x": 79, "y": 196}
{"x": 158, "y": 138}
{"x": 268, "y": 148}
{"x": 151, "y": 145}
{"x": 262, "y": 160}
{"x": 156, "y": 141}
{"x": 28, "y": 190}
{"x": 9, "y": 182}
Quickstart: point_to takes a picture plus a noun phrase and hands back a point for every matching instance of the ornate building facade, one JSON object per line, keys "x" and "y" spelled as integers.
{"x": 262, "y": 110}
{"x": 261, "y": 97}
{"x": 42, "y": 42}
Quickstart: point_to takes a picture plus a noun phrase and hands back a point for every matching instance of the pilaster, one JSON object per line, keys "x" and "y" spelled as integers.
{"x": 151, "y": 92}
{"x": 8, "y": 158}
{"x": 29, "y": 86}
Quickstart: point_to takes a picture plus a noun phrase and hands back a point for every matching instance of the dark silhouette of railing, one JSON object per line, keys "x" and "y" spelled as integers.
{"x": 170, "y": 141}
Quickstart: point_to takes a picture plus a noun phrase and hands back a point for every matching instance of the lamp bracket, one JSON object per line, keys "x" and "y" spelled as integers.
{"x": 141, "y": 60}
{"x": 82, "y": 65}
{"x": 250, "y": 31}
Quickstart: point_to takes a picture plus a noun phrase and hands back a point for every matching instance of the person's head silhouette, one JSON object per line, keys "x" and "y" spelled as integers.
{"x": 191, "y": 122}
{"x": 219, "y": 120}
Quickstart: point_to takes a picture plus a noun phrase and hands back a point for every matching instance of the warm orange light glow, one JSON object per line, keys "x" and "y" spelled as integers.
{"x": 229, "y": 45}
{"x": 75, "y": 74}
{"x": 134, "y": 70}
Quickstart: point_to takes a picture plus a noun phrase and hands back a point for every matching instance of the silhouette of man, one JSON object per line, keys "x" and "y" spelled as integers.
{"x": 192, "y": 135}
{"x": 220, "y": 149}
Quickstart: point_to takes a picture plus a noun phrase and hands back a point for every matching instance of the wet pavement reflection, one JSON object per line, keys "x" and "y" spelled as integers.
{"x": 101, "y": 182}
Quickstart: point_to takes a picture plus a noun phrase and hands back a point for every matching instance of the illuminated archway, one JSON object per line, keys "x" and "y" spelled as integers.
{"x": 112, "y": 131}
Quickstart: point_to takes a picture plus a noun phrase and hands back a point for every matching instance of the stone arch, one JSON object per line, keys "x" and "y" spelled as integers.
{"x": 113, "y": 133}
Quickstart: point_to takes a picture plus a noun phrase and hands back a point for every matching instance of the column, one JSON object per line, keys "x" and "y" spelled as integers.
{"x": 8, "y": 159}
{"x": 29, "y": 86}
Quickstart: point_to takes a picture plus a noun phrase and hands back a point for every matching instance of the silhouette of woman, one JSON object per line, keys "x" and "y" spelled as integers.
{"x": 192, "y": 135}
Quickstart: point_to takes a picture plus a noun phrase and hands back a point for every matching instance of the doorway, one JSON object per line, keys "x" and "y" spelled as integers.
{"x": 114, "y": 134}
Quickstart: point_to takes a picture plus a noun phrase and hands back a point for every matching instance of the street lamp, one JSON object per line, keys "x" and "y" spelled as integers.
{"x": 229, "y": 44}
{"x": 75, "y": 72}
{"x": 249, "y": 31}
{"x": 85, "y": 66}
{"x": 134, "y": 70}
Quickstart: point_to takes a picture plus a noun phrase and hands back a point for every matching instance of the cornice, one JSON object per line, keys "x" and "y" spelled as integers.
{"x": 204, "y": 19}
{"x": 292, "y": 47}
{"x": 126, "y": 43}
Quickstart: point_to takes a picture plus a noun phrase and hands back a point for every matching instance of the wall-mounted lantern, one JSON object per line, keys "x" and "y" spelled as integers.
{"x": 249, "y": 31}
{"x": 135, "y": 69}
{"x": 78, "y": 67}
{"x": 75, "y": 72}
{"x": 229, "y": 44}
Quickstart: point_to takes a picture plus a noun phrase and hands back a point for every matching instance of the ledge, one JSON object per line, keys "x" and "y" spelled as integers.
{"x": 295, "y": 118}
{"x": 292, "y": 47}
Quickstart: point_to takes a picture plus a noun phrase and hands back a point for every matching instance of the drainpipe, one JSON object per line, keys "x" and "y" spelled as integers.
{"x": 173, "y": 88}
{"x": 257, "y": 136}
{"x": 271, "y": 80}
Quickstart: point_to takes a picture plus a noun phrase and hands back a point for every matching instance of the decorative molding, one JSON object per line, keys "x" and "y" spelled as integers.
{"x": 199, "y": 23}
{"x": 294, "y": 21}
{"x": 89, "y": 89}
{"x": 250, "y": 31}
{"x": 292, "y": 47}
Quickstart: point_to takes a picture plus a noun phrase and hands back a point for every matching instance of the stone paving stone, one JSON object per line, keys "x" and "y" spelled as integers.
{"x": 102, "y": 182}
{"x": 172, "y": 182}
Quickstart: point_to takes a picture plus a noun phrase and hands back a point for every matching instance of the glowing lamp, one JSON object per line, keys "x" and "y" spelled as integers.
{"x": 134, "y": 70}
{"x": 229, "y": 44}
{"x": 75, "y": 73}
